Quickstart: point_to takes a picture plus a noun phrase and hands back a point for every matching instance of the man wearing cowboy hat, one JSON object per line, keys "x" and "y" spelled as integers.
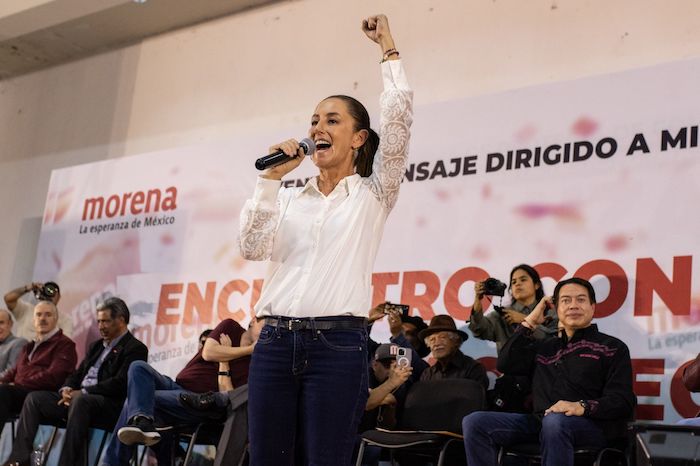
{"x": 444, "y": 340}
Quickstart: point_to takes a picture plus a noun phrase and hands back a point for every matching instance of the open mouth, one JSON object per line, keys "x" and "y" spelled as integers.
{"x": 322, "y": 144}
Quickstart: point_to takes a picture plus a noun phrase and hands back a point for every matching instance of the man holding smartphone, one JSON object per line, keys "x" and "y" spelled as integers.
{"x": 388, "y": 381}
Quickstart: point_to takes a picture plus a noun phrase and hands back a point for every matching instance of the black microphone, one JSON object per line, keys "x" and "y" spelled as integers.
{"x": 279, "y": 157}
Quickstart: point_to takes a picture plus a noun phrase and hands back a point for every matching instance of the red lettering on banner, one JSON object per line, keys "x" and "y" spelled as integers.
{"x": 452, "y": 304}
{"x": 202, "y": 304}
{"x": 420, "y": 290}
{"x": 551, "y": 270}
{"x": 137, "y": 202}
{"x": 165, "y": 302}
{"x": 224, "y": 312}
{"x": 423, "y": 302}
{"x": 675, "y": 293}
{"x": 380, "y": 281}
{"x": 680, "y": 396}
{"x": 647, "y": 388}
{"x": 618, "y": 284}
{"x": 95, "y": 207}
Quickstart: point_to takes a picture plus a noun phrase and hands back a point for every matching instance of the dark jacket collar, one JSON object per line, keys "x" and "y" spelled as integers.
{"x": 458, "y": 360}
{"x": 579, "y": 334}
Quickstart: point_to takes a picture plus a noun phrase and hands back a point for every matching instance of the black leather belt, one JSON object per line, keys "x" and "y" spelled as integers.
{"x": 317, "y": 323}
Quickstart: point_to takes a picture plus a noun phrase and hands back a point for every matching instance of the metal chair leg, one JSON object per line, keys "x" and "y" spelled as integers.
{"x": 360, "y": 453}
{"x": 443, "y": 453}
{"x": 190, "y": 446}
{"x": 101, "y": 448}
{"x": 49, "y": 446}
{"x": 241, "y": 462}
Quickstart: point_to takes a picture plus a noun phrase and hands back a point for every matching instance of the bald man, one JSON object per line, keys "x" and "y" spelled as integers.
{"x": 10, "y": 345}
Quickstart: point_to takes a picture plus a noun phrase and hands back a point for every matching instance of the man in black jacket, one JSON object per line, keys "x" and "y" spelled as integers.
{"x": 92, "y": 395}
{"x": 581, "y": 384}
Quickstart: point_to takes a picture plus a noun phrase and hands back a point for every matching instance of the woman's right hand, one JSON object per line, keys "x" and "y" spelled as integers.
{"x": 291, "y": 148}
{"x": 536, "y": 317}
{"x": 478, "y": 296}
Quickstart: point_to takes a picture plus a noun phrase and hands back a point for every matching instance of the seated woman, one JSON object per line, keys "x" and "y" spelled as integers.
{"x": 525, "y": 291}
{"x": 511, "y": 393}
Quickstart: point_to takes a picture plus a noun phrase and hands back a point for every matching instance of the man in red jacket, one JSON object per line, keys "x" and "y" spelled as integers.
{"x": 43, "y": 364}
{"x": 93, "y": 395}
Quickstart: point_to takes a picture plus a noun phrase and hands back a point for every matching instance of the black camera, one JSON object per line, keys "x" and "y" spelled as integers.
{"x": 494, "y": 287}
{"x": 47, "y": 292}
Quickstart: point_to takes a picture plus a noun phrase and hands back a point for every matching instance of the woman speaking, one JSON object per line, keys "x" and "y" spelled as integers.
{"x": 308, "y": 375}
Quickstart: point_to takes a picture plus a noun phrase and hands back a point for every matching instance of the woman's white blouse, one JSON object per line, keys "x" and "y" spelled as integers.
{"x": 322, "y": 248}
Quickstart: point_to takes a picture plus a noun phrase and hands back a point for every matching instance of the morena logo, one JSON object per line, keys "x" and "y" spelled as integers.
{"x": 134, "y": 203}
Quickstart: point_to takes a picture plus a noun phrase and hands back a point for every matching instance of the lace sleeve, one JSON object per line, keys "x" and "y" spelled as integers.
{"x": 396, "y": 116}
{"x": 258, "y": 222}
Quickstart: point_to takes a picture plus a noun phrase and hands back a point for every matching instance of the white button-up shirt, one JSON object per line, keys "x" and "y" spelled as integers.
{"x": 322, "y": 248}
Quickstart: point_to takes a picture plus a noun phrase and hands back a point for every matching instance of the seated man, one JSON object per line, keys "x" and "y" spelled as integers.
{"x": 444, "y": 341}
{"x": 388, "y": 384}
{"x": 10, "y": 345}
{"x": 43, "y": 364}
{"x": 153, "y": 398}
{"x": 23, "y": 310}
{"x": 94, "y": 392}
{"x": 387, "y": 387}
{"x": 582, "y": 385}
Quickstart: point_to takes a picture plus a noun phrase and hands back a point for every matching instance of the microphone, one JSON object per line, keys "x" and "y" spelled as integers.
{"x": 279, "y": 157}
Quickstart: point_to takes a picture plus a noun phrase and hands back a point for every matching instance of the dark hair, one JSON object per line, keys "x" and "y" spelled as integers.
{"x": 574, "y": 281}
{"x": 204, "y": 334}
{"x": 539, "y": 292}
{"x": 117, "y": 308}
{"x": 365, "y": 155}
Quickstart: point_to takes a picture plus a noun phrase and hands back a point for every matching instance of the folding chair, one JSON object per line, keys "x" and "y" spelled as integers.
{"x": 431, "y": 420}
{"x": 106, "y": 431}
{"x": 615, "y": 453}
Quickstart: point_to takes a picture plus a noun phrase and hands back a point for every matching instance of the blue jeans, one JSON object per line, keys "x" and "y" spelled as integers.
{"x": 151, "y": 394}
{"x": 307, "y": 393}
{"x": 558, "y": 434}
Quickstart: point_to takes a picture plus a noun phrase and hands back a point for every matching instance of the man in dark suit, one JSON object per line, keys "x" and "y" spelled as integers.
{"x": 95, "y": 392}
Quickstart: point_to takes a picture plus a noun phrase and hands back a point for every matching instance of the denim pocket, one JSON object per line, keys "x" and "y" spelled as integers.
{"x": 267, "y": 334}
{"x": 343, "y": 340}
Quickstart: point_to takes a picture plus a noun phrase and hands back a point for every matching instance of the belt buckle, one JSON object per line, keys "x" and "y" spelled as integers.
{"x": 294, "y": 324}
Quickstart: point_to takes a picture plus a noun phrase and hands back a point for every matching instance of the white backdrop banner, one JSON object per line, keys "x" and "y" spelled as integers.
{"x": 594, "y": 178}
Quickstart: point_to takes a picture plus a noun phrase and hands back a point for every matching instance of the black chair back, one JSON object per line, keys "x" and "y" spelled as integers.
{"x": 440, "y": 405}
